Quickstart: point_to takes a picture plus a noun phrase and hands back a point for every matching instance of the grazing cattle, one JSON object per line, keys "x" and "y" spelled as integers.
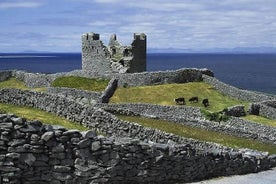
{"x": 205, "y": 102}
{"x": 180, "y": 101}
{"x": 193, "y": 99}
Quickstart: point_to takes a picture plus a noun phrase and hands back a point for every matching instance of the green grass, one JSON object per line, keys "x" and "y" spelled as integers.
{"x": 261, "y": 120}
{"x": 36, "y": 114}
{"x": 165, "y": 94}
{"x": 17, "y": 84}
{"x": 81, "y": 83}
{"x": 13, "y": 83}
{"x": 200, "y": 134}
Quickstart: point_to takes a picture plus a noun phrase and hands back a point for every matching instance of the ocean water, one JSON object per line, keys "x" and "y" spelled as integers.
{"x": 247, "y": 71}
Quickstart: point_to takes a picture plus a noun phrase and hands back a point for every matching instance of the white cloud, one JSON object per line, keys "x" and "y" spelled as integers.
{"x": 176, "y": 23}
{"x": 7, "y": 5}
{"x": 102, "y": 23}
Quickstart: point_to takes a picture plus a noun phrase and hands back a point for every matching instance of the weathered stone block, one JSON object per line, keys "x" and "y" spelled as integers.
{"x": 47, "y": 136}
{"x": 61, "y": 176}
{"x": 236, "y": 111}
{"x": 84, "y": 143}
{"x": 96, "y": 146}
{"x": 62, "y": 169}
{"x": 254, "y": 109}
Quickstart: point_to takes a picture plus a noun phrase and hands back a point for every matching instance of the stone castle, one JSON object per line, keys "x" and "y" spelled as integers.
{"x": 98, "y": 59}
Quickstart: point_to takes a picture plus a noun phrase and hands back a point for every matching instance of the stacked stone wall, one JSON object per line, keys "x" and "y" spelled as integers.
{"x": 265, "y": 109}
{"x": 34, "y": 80}
{"x": 81, "y": 96}
{"x": 5, "y": 75}
{"x": 236, "y": 92}
{"x": 31, "y": 152}
{"x": 192, "y": 116}
{"x": 162, "y": 77}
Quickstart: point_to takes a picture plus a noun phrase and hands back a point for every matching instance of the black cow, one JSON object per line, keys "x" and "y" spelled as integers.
{"x": 180, "y": 101}
{"x": 193, "y": 99}
{"x": 205, "y": 102}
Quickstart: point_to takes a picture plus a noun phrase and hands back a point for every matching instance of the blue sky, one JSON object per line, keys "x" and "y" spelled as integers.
{"x": 57, "y": 25}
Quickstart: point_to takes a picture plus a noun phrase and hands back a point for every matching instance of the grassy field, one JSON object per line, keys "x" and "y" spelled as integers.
{"x": 200, "y": 134}
{"x": 17, "y": 84}
{"x": 36, "y": 114}
{"x": 165, "y": 94}
{"x": 81, "y": 83}
{"x": 13, "y": 83}
{"x": 261, "y": 120}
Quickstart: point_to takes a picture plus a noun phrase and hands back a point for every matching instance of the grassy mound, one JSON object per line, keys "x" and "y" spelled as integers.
{"x": 165, "y": 94}
{"x": 45, "y": 117}
{"x": 81, "y": 83}
{"x": 200, "y": 134}
{"x": 13, "y": 83}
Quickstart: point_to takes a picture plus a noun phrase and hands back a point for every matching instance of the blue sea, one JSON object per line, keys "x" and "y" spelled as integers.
{"x": 247, "y": 71}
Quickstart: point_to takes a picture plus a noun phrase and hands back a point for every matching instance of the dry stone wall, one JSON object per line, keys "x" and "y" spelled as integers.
{"x": 81, "y": 96}
{"x": 32, "y": 153}
{"x": 263, "y": 104}
{"x": 184, "y": 75}
{"x": 192, "y": 116}
{"x": 162, "y": 77}
{"x": 265, "y": 108}
{"x": 4, "y": 75}
{"x": 236, "y": 92}
{"x": 35, "y": 80}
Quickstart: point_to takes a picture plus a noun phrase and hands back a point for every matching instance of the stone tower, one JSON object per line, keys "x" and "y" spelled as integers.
{"x": 95, "y": 57}
{"x": 139, "y": 50}
{"x": 98, "y": 59}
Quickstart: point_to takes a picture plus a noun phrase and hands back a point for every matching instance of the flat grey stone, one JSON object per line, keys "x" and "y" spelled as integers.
{"x": 96, "y": 146}
{"x": 47, "y": 136}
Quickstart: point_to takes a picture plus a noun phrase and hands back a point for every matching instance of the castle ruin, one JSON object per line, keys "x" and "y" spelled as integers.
{"x": 98, "y": 59}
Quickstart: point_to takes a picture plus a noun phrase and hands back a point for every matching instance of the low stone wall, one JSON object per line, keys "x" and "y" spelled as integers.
{"x": 236, "y": 111}
{"x": 265, "y": 109}
{"x": 162, "y": 77}
{"x": 192, "y": 116}
{"x": 236, "y": 92}
{"x": 81, "y": 96}
{"x": 172, "y": 113}
{"x": 34, "y": 80}
{"x": 271, "y": 103}
{"x": 31, "y": 152}
{"x": 5, "y": 75}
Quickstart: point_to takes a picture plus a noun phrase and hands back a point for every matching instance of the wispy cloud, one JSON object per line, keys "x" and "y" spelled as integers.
{"x": 30, "y": 4}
